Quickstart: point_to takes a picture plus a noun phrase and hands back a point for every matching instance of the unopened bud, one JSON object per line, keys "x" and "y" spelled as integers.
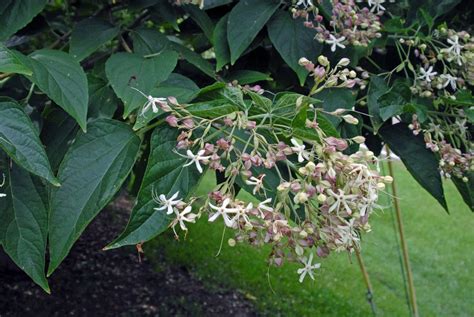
{"x": 231, "y": 242}
{"x": 358, "y": 139}
{"x": 344, "y": 62}
{"x": 322, "y": 198}
{"x": 323, "y": 60}
{"x": 350, "y": 119}
{"x": 300, "y": 198}
{"x": 303, "y": 61}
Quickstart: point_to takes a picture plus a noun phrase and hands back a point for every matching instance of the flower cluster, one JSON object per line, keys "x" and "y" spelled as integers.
{"x": 446, "y": 62}
{"x": 322, "y": 198}
{"x": 326, "y": 77}
{"x": 446, "y": 137}
{"x": 349, "y": 23}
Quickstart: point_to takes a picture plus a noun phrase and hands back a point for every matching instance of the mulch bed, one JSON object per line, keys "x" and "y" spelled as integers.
{"x": 91, "y": 282}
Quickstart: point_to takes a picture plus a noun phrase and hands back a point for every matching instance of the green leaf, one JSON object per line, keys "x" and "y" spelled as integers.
{"x": 58, "y": 132}
{"x": 147, "y": 42}
{"x": 163, "y": 11}
{"x": 13, "y": 62}
{"x": 466, "y": 189}
{"x": 194, "y": 59}
{"x": 24, "y": 223}
{"x": 209, "y": 4}
{"x": 94, "y": 168}
{"x": 392, "y": 102}
{"x": 202, "y": 19}
{"x": 178, "y": 86}
{"x": 246, "y": 19}
{"x": 125, "y": 70}
{"x": 221, "y": 47}
{"x": 233, "y": 95}
{"x": 61, "y": 77}
{"x": 102, "y": 100}
{"x": 420, "y": 162}
{"x": 20, "y": 140}
{"x": 15, "y": 14}
{"x": 212, "y": 109}
{"x": 165, "y": 175}
{"x": 90, "y": 34}
{"x": 293, "y": 40}
{"x": 244, "y": 77}
{"x": 377, "y": 88}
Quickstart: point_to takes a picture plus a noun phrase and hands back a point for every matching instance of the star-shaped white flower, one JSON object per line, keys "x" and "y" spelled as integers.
{"x": 167, "y": 204}
{"x": 184, "y": 216}
{"x": 376, "y": 5}
{"x": 341, "y": 200}
{"x": 304, "y": 3}
{"x": 154, "y": 103}
{"x": 223, "y": 211}
{"x": 308, "y": 268}
{"x": 196, "y": 159}
{"x": 455, "y": 46}
{"x": 427, "y": 74}
{"x": 263, "y": 206}
{"x": 300, "y": 150}
{"x": 449, "y": 80}
{"x": 335, "y": 42}
{"x": 255, "y": 181}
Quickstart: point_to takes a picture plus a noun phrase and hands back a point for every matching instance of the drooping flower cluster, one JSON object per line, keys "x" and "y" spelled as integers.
{"x": 349, "y": 23}
{"x": 312, "y": 198}
{"x": 446, "y": 136}
{"x": 446, "y": 62}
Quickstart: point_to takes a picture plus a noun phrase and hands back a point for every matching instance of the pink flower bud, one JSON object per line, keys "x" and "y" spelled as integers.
{"x": 172, "y": 100}
{"x": 188, "y": 123}
{"x": 172, "y": 121}
{"x": 251, "y": 125}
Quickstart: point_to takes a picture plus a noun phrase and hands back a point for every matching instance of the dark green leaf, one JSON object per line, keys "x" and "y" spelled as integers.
{"x": 20, "y": 140}
{"x": 212, "y": 109}
{"x": 15, "y": 14}
{"x": 24, "y": 223}
{"x": 244, "y": 77}
{"x": 61, "y": 77}
{"x": 90, "y": 34}
{"x": 392, "y": 102}
{"x": 293, "y": 40}
{"x": 102, "y": 100}
{"x": 147, "y": 42}
{"x": 13, "y": 62}
{"x": 164, "y": 174}
{"x": 125, "y": 70}
{"x": 195, "y": 59}
{"x": 246, "y": 19}
{"x": 221, "y": 47}
{"x": 94, "y": 168}
{"x": 420, "y": 162}
{"x": 377, "y": 88}
{"x": 202, "y": 19}
{"x": 466, "y": 189}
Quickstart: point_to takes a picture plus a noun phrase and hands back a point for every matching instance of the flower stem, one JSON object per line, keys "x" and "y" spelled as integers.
{"x": 368, "y": 284}
{"x": 403, "y": 243}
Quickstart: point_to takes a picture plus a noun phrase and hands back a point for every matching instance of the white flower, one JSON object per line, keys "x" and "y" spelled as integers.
{"x": 449, "y": 80}
{"x": 341, "y": 200}
{"x": 242, "y": 214}
{"x": 154, "y": 103}
{"x": 308, "y": 268}
{"x": 182, "y": 217}
{"x": 427, "y": 74}
{"x": 257, "y": 182}
{"x": 196, "y": 159}
{"x": 455, "y": 46}
{"x": 262, "y": 207}
{"x": 335, "y": 42}
{"x": 304, "y": 3}
{"x": 376, "y": 5}
{"x": 167, "y": 203}
{"x": 224, "y": 211}
{"x": 300, "y": 150}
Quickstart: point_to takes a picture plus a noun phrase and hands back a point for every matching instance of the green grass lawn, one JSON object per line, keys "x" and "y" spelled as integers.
{"x": 441, "y": 252}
